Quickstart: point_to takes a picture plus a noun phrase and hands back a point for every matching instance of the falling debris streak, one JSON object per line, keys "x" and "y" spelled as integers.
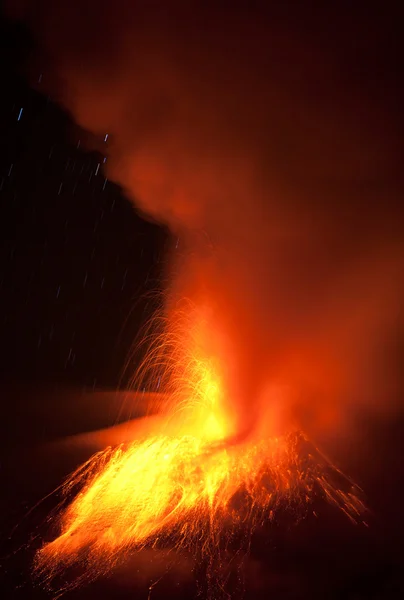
{"x": 187, "y": 484}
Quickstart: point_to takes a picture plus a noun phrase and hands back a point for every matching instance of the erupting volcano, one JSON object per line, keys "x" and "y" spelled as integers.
{"x": 193, "y": 483}
{"x": 247, "y": 133}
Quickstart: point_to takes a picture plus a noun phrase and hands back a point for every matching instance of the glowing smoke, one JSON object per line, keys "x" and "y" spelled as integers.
{"x": 259, "y": 144}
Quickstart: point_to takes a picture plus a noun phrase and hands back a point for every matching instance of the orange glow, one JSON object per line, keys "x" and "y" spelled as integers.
{"x": 184, "y": 484}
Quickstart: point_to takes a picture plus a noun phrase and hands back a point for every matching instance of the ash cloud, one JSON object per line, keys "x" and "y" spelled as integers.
{"x": 269, "y": 140}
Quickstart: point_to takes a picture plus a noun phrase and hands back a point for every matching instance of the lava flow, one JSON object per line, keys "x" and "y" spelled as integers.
{"x": 188, "y": 485}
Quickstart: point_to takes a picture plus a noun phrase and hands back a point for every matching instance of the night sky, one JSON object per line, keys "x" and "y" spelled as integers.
{"x": 75, "y": 257}
{"x": 80, "y": 273}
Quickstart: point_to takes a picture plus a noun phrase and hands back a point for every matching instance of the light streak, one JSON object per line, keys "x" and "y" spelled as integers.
{"x": 186, "y": 485}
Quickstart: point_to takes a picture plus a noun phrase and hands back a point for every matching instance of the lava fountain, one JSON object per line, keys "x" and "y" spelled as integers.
{"x": 192, "y": 484}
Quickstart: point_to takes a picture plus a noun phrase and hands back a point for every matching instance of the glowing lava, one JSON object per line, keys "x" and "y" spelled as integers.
{"x": 187, "y": 485}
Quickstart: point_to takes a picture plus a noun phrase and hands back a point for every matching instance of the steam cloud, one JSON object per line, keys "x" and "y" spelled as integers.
{"x": 259, "y": 138}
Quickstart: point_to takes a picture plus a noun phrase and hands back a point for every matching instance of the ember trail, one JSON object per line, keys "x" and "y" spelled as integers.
{"x": 188, "y": 484}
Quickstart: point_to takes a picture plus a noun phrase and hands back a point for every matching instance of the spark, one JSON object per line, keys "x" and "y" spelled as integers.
{"x": 187, "y": 484}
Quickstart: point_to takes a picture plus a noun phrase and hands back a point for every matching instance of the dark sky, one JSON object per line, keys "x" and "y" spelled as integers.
{"x": 75, "y": 257}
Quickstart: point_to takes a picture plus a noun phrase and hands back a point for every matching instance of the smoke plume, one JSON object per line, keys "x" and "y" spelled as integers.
{"x": 268, "y": 141}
